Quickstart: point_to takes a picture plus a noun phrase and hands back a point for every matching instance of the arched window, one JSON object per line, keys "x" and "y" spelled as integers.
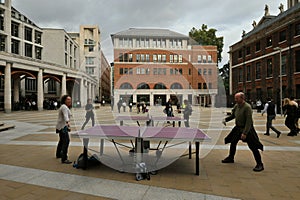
{"x": 126, "y": 86}
{"x": 176, "y": 86}
{"x": 143, "y": 86}
{"x": 160, "y": 86}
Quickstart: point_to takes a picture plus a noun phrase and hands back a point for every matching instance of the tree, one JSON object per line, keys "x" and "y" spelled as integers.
{"x": 224, "y": 74}
{"x": 208, "y": 37}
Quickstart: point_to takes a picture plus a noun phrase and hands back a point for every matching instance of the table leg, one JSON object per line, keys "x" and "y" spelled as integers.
{"x": 101, "y": 146}
{"x": 197, "y": 144}
{"x": 190, "y": 150}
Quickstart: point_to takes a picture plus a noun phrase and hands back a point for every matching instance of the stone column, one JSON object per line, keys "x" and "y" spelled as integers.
{"x": 151, "y": 99}
{"x": 40, "y": 90}
{"x": 64, "y": 85}
{"x": 17, "y": 89}
{"x": 7, "y": 88}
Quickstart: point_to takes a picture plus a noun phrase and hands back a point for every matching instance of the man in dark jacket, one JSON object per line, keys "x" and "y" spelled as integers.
{"x": 243, "y": 130}
{"x": 270, "y": 109}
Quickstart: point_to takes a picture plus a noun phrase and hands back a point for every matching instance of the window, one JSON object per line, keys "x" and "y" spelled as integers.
{"x": 209, "y": 72}
{"x": 209, "y": 60}
{"x": 2, "y": 20}
{"x": 66, "y": 59}
{"x": 258, "y": 71}
{"x": 126, "y": 86}
{"x": 297, "y": 57}
{"x": 66, "y": 44}
{"x": 147, "y": 58}
{"x": 15, "y": 46}
{"x": 130, "y": 58}
{"x": 248, "y": 50}
{"x": 38, "y": 53}
{"x": 199, "y": 58}
{"x": 158, "y": 58}
{"x": 257, "y": 46}
{"x": 269, "y": 41}
{"x": 15, "y": 29}
{"x": 283, "y": 64}
{"x": 204, "y": 86}
{"x": 240, "y": 75}
{"x": 28, "y": 50}
{"x": 28, "y": 34}
{"x": 121, "y": 71}
{"x": 190, "y": 71}
{"x": 180, "y": 58}
{"x": 175, "y": 58}
{"x": 51, "y": 86}
{"x": 91, "y": 48}
{"x": 2, "y": 43}
{"x": 38, "y": 37}
{"x": 164, "y": 58}
{"x": 269, "y": 68}
{"x": 142, "y": 57}
{"x": 204, "y": 71}
{"x": 89, "y": 60}
{"x": 240, "y": 53}
{"x": 297, "y": 29}
{"x": 209, "y": 85}
{"x": 248, "y": 73}
{"x": 199, "y": 85}
{"x": 138, "y": 57}
{"x": 171, "y": 58}
{"x": 90, "y": 70}
{"x": 282, "y": 36}
{"x": 154, "y": 57}
{"x": 120, "y": 57}
{"x": 176, "y": 86}
{"x": 30, "y": 84}
{"x": 204, "y": 58}
{"x": 199, "y": 71}
{"x": 125, "y": 57}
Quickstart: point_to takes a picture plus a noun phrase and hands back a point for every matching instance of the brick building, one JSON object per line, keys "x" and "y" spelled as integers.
{"x": 153, "y": 65}
{"x": 256, "y": 60}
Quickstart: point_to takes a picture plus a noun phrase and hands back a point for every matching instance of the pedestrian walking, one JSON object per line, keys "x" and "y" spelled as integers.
{"x": 187, "y": 112}
{"x": 243, "y": 130}
{"x": 89, "y": 113}
{"x": 290, "y": 111}
{"x": 270, "y": 109}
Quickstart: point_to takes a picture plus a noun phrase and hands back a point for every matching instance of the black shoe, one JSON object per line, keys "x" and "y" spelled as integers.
{"x": 258, "y": 168}
{"x": 66, "y": 162}
{"x": 267, "y": 134}
{"x": 290, "y": 134}
{"x": 278, "y": 134}
{"x": 228, "y": 160}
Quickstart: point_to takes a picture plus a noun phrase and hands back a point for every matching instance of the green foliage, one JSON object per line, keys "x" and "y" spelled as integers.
{"x": 208, "y": 37}
{"x": 224, "y": 74}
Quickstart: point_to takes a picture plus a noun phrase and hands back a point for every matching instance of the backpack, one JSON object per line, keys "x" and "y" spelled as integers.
{"x": 83, "y": 161}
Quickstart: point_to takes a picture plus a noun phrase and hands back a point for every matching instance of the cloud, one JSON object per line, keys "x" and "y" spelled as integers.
{"x": 228, "y": 17}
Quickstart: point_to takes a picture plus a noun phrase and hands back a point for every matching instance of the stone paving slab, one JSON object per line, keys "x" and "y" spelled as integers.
{"x": 28, "y": 168}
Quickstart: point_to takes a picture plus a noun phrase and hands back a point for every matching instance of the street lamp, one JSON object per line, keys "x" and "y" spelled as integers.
{"x": 280, "y": 77}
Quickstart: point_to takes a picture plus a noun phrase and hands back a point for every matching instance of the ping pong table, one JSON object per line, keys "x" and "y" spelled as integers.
{"x": 158, "y": 134}
{"x": 150, "y": 119}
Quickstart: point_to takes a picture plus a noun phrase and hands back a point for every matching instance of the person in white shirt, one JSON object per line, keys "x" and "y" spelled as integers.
{"x": 63, "y": 128}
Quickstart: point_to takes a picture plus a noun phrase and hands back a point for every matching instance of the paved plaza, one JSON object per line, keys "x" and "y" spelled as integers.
{"x": 29, "y": 169}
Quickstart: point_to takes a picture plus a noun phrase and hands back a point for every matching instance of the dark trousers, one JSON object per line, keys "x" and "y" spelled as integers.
{"x": 290, "y": 123}
{"x": 232, "y": 150}
{"x": 270, "y": 118}
{"x": 63, "y": 144}
{"x": 87, "y": 119}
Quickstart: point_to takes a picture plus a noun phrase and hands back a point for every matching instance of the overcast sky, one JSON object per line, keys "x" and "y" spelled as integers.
{"x": 229, "y": 17}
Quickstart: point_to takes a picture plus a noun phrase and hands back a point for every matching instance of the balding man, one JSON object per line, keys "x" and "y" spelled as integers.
{"x": 243, "y": 130}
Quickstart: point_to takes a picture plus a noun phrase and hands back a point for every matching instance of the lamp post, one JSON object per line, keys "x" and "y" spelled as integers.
{"x": 280, "y": 77}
